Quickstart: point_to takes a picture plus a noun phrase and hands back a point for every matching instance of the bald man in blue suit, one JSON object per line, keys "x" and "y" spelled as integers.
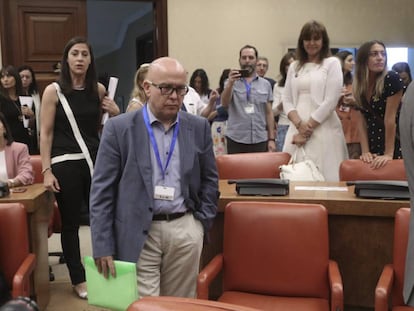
{"x": 407, "y": 148}
{"x": 155, "y": 188}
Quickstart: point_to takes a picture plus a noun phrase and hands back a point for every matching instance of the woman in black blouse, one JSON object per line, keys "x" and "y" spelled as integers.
{"x": 378, "y": 93}
{"x": 67, "y": 158}
{"x": 10, "y": 90}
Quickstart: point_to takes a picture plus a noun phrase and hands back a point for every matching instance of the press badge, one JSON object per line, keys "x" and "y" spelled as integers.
{"x": 249, "y": 109}
{"x": 164, "y": 193}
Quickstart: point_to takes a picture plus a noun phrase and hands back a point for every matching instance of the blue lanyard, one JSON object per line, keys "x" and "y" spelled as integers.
{"x": 154, "y": 142}
{"x": 248, "y": 88}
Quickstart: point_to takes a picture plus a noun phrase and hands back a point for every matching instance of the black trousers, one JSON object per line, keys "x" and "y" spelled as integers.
{"x": 235, "y": 147}
{"x": 74, "y": 181}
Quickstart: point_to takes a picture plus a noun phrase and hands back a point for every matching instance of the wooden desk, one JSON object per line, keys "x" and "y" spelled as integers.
{"x": 360, "y": 230}
{"x": 39, "y": 204}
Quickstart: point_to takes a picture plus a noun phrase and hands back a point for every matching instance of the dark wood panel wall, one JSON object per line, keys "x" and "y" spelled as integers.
{"x": 35, "y": 32}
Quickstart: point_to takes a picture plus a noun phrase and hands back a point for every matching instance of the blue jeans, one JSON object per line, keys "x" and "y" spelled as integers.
{"x": 281, "y": 135}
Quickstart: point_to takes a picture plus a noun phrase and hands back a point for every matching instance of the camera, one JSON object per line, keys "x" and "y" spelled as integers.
{"x": 244, "y": 73}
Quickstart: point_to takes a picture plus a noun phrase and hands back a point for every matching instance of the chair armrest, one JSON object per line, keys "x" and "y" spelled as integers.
{"x": 207, "y": 275}
{"x": 383, "y": 288}
{"x": 20, "y": 286}
{"x": 335, "y": 282}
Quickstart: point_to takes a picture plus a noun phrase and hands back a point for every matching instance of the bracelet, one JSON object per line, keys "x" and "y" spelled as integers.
{"x": 270, "y": 139}
{"x": 45, "y": 170}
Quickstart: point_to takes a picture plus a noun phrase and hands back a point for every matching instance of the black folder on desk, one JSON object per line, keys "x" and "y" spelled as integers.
{"x": 382, "y": 189}
{"x": 261, "y": 186}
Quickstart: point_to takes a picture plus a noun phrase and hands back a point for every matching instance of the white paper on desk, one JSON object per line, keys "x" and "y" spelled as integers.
{"x": 113, "y": 83}
{"x": 321, "y": 188}
{"x": 26, "y": 101}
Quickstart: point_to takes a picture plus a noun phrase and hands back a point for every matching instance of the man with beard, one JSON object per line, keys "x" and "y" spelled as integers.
{"x": 248, "y": 98}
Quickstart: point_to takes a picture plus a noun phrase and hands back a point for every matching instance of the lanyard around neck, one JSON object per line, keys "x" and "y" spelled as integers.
{"x": 154, "y": 142}
{"x": 248, "y": 88}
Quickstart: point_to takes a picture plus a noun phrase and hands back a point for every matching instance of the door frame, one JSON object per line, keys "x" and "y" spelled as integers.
{"x": 160, "y": 27}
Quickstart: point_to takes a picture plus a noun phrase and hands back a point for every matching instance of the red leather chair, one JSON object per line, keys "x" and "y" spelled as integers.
{"x": 16, "y": 261}
{"x": 389, "y": 290}
{"x": 275, "y": 257}
{"x": 182, "y": 304}
{"x": 352, "y": 170}
{"x": 37, "y": 168}
{"x": 251, "y": 165}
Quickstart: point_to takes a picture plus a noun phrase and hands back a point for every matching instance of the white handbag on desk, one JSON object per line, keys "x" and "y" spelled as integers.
{"x": 300, "y": 171}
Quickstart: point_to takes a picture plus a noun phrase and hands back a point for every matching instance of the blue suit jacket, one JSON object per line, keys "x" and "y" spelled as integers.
{"x": 121, "y": 200}
{"x": 407, "y": 148}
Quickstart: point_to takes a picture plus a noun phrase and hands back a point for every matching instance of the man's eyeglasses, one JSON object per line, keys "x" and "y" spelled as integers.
{"x": 377, "y": 53}
{"x": 167, "y": 89}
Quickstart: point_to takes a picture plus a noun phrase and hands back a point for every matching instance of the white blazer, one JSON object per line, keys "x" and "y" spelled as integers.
{"x": 329, "y": 76}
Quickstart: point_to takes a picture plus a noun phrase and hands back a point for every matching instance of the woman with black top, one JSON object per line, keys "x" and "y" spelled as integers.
{"x": 403, "y": 69}
{"x": 10, "y": 90}
{"x": 68, "y": 148}
{"x": 30, "y": 88}
{"x": 378, "y": 93}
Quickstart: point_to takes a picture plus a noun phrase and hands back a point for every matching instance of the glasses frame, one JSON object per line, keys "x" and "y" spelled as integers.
{"x": 168, "y": 89}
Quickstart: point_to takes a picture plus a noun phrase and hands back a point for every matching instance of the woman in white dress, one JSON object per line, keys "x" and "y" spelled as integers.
{"x": 312, "y": 90}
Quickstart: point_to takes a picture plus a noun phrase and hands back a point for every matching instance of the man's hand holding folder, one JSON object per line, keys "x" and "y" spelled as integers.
{"x": 105, "y": 266}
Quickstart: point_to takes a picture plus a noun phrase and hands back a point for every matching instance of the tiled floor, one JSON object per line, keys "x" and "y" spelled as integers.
{"x": 62, "y": 297}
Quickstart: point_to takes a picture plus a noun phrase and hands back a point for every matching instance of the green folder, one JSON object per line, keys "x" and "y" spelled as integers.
{"x": 112, "y": 293}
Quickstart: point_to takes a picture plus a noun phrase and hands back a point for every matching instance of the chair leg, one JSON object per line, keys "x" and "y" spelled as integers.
{"x": 60, "y": 255}
{"x": 51, "y": 274}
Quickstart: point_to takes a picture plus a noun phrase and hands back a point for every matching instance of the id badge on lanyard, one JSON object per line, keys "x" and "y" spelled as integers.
{"x": 161, "y": 192}
{"x": 164, "y": 193}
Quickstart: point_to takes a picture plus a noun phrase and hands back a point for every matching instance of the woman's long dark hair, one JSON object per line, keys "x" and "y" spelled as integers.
{"x": 361, "y": 77}
{"x": 33, "y": 88}
{"x": 224, "y": 76}
{"x": 342, "y": 55}
{"x": 284, "y": 62}
{"x": 91, "y": 79}
{"x": 11, "y": 71}
{"x": 402, "y": 67}
{"x": 205, "y": 85}
{"x": 309, "y": 30}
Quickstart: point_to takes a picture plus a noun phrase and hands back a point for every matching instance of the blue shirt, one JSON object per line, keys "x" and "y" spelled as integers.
{"x": 172, "y": 173}
{"x": 243, "y": 127}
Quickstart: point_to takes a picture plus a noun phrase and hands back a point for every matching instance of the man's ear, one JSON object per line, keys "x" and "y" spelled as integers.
{"x": 146, "y": 85}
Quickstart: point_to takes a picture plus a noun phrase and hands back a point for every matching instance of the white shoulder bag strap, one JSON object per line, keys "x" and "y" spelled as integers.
{"x": 74, "y": 126}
